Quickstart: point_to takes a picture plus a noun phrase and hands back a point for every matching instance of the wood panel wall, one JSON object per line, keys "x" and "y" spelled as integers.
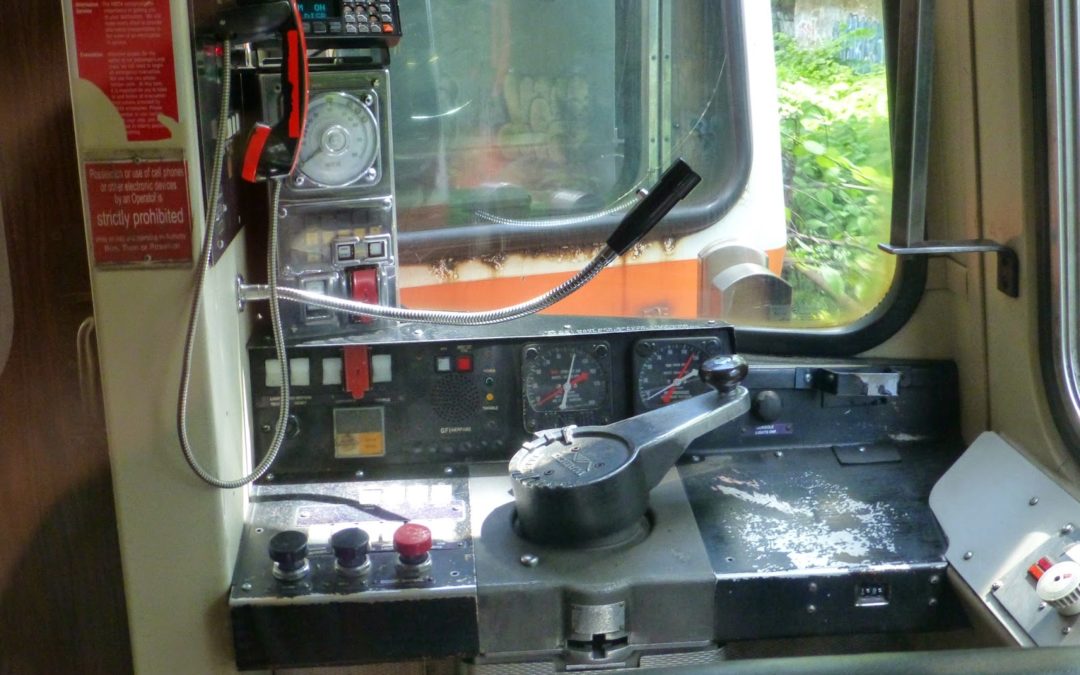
{"x": 61, "y": 592}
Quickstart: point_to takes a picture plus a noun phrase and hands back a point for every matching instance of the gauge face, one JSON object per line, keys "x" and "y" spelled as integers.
{"x": 565, "y": 385}
{"x": 669, "y": 374}
{"x": 341, "y": 141}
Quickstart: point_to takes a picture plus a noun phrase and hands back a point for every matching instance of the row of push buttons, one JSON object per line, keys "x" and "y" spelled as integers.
{"x": 376, "y": 249}
{"x": 412, "y": 542}
{"x": 463, "y": 363}
{"x": 381, "y": 370}
{"x": 358, "y": 18}
{"x": 349, "y": 27}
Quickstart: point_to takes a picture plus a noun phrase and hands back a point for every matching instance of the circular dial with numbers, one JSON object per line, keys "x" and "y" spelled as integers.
{"x": 341, "y": 141}
{"x": 565, "y": 385}
{"x": 669, "y": 375}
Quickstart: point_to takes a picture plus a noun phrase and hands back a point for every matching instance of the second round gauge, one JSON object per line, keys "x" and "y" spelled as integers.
{"x": 669, "y": 374}
{"x": 565, "y": 385}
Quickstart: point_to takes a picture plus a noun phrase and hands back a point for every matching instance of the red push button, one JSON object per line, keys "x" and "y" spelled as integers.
{"x": 1045, "y": 563}
{"x": 1035, "y": 572}
{"x": 464, "y": 363}
{"x": 412, "y": 541}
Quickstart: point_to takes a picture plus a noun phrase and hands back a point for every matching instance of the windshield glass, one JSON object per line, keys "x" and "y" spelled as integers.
{"x": 522, "y": 138}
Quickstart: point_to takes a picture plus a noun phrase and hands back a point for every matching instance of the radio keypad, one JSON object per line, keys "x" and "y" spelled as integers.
{"x": 369, "y": 16}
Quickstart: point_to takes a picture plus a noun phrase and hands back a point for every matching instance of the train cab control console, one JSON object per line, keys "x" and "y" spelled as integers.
{"x": 580, "y": 494}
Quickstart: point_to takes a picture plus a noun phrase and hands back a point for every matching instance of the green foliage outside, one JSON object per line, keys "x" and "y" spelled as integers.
{"x": 838, "y": 180}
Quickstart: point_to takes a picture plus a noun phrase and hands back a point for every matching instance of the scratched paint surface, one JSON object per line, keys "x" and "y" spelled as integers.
{"x": 803, "y": 511}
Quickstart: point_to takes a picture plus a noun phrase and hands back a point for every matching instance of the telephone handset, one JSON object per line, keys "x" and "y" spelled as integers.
{"x": 273, "y": 151}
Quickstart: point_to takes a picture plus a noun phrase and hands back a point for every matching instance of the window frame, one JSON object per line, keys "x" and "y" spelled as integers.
{"x": 1056, "y": 53}
{"x": 461, "y": 241}
{"x": 909, "y": 45}
{"x": 905, "y": 46}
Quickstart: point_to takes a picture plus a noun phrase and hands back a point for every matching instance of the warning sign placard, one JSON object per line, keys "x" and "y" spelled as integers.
{"x": 125, "y": 48}
{"x": 139, "y": 212}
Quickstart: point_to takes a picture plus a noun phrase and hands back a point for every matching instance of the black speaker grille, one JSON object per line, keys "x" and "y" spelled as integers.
{"x": 457, "y": 399}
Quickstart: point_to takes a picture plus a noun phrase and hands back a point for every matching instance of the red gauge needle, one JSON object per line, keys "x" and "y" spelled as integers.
{"x": 559, "y": 389}
{"x": 550, "y": 395}
{"x": 670, "y": 393}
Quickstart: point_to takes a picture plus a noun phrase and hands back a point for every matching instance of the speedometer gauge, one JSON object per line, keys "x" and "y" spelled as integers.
{"x": 341, "y": 142}
{"x": 566, "y": 384}
{"x": 667, "y": 371}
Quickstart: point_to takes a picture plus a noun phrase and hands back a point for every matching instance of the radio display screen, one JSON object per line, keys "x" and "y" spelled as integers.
{"x": 317, "y": 11}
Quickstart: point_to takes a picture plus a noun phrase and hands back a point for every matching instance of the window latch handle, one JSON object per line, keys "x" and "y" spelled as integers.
{"x": 1008, "y": 263}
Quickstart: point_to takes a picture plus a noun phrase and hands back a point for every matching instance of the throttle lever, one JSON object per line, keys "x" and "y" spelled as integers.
{"x": 576, "y": 485}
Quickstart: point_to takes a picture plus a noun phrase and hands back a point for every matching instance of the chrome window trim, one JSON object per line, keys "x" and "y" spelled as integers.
{"x": 1062, "y": 249}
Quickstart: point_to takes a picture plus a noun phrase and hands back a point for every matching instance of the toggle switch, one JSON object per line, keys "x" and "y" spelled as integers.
{"x": 1036, "y": 572}
{"x": 357, "y": 371}
{"x": 364, "y": 287}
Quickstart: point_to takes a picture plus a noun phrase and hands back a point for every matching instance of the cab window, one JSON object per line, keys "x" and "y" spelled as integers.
{"x": 522, "y": 136}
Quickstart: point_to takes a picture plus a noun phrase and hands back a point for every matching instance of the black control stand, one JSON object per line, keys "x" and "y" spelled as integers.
{"x": 576, "y": 486}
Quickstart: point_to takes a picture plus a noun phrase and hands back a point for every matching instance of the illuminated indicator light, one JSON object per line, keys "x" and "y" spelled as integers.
{"x": 490, "y": 398}
{"x": 464, "y": 363}
{"x": 1035, "y": 572}
{"x": 300, "y": 372}
{"x": 376, "y": 249}
{"x": 331, "y": 371}
{"x": 346, "y": 252}
{"x": 381, "y": 368}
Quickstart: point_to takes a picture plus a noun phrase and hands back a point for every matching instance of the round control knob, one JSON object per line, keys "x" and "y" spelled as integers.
{"x": 768, "y": 406}
{"x": 350, "y": 549}
{"x": 1059, "y": 587}
{"x": 724, "y": 373}
{"x": 412, "y": 542}
{"x": 289, "y": 551}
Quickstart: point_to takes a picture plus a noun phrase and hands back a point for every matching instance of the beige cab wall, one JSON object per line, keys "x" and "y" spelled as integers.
{"x": 982, "y": 164}
{"x": 178, "y": 537}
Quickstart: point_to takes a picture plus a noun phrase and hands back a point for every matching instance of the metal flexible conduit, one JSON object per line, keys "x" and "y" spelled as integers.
{"x": 252, "y": 292}
{"x": 196, "y": 305}
{"x": 674, "y": 185}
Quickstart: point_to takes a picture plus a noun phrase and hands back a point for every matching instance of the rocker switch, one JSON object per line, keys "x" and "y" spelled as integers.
{"x": 364, "y": 287}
